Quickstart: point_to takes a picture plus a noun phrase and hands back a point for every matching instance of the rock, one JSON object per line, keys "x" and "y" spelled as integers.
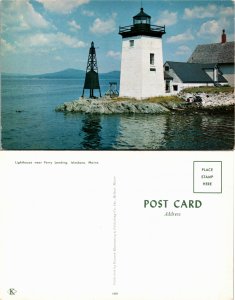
{"x": 107, "y": 106}
{"x": 213, "y": 100}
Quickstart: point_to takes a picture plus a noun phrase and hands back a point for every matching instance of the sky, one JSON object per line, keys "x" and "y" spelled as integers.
{"x": 41, "y": 36}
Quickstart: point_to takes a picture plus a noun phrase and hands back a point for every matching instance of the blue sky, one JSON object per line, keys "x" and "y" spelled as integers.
{"x": 40, "y": 36}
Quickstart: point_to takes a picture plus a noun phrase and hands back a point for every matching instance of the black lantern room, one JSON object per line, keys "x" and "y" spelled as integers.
{"x": 142, "y": 26}
{"x": 141, "y": 18}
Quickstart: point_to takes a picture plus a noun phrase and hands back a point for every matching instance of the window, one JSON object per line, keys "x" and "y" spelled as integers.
{"x": 151, "y": 58}
{"x": 175, "y": 87}
{"x": 167, "y": 68}
{"x": 132, "y": 43}
{"x": 152, "y": 69}
{"x": 168, "y": 86}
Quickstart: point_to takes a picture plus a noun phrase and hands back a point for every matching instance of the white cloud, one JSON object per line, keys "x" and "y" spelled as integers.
{"x": 186, "y": 36}
{"x": 48, "y": 42}
{"x": 19, "y": 15}
{"x": 200, "y": 12}
{"x": 182, "y": 50}
{"x": 74, "y": 26}
{"x": 210, "y": 11}
{"x": 104, "y": 27}
{"x": 69, "y": 41}
{"x": 62, "y": 6}
{"x": 213, "y": 27}
{"x": 6, "y": 47}
{"x": 227, "y": 11}
{"x": 113, "y": 54}
{"x": 88, "y": 13}
{"x": 209, "y": 27}
{"x": 167, "y": 18}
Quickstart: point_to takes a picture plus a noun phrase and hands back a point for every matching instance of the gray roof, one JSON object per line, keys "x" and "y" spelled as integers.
{"x": 193, "y": 73}
{"x": 141, "y": 15}
{"x": 213, "y": 53}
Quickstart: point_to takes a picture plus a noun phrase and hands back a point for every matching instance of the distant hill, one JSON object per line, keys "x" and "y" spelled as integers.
{"x": 110, "y": 74}
{"x": 68, "y": 73}
{"x": 14, "y": 75}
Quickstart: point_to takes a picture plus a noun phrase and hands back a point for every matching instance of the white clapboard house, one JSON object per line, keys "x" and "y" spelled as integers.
{"x": 209, "y": 65}
{"x": 221, "y": 54}
{"x": 181, "y": 75}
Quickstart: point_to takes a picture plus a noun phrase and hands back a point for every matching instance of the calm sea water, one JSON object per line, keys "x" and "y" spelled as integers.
{"x": 29, "y": 122}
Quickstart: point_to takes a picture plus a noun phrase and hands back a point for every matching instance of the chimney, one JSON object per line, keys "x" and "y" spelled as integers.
{"x": 223, "y": 37}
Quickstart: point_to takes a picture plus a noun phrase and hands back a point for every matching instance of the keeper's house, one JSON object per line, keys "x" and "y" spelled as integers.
{"x": 210, "y": 64}
{"x": 181, "y": 75}
{"x": 221, "y": 54}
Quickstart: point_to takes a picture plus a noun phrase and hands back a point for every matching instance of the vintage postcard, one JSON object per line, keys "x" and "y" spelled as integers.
{"x": 117, "y": 138}
{"x": 112, "y": 225}
{"x": 164, "y": 71}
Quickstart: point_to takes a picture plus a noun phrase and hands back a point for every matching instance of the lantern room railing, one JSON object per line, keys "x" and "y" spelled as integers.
{"x": 142, "y": 28}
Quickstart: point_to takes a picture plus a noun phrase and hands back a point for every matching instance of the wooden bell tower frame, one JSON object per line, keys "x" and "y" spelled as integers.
{"x": 92, "y": 77}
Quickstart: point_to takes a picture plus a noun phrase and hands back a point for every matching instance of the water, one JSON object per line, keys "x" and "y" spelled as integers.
{"x": 29, "y": 122}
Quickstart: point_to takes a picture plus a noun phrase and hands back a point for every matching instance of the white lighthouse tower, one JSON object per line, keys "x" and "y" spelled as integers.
{"x": 142, "y": 74}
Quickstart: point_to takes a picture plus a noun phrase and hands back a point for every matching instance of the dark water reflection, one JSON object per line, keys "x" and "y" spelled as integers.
{"x": 155, "y": 132}
{"x": 92, "y": 132}
{"x": 39, "y": 127}
{"x": 199, "y": 131}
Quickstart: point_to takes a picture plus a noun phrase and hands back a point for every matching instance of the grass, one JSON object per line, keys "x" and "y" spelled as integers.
{"x": 175, "y": 98}
{"x": 159, "y": 99}
{"x": 163, "y": 99}
{"x": 209, "y": 89}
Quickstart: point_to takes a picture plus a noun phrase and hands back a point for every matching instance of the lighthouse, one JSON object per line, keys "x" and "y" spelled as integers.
{"x": 142, "y": 74}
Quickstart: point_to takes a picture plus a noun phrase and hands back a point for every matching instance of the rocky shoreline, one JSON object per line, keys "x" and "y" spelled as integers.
{"x": 210, "y": 100}
{"x": 221, "y": 102}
